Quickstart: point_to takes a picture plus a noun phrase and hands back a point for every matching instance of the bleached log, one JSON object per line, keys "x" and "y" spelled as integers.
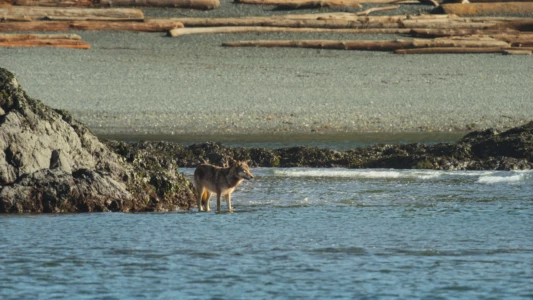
{"x": 325, "y": 44}
{"x": 375, "y": 9}
{"x": 282, "y": 22}
{"x": 517, "y": 52}
{"x": 56, "y": 3}
{"x": 432, "y": 33}
{"x": 447, "y": 24}
{"x": 148, "y": 26}
{"x": 15, "y": 19}
{"x": 475, "y": 9}
{"x": 194, "y": 4}
{"x": 61, "y": 43}
{"x": 443, "y": 50}
{"x": 303, "y": 3}
{"x": 72, "y": 13}
{"x": 22, "y": 37}
{"x": 373, "y": 45}
{"x": 244, "y": 29}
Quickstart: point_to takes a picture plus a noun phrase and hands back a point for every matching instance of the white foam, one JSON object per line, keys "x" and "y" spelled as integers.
{"x": 352, "y": 173}
{"x": 502, "y": 178}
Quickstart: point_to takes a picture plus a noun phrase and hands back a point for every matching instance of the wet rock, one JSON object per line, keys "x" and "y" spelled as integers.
{"x": 479, "y": 150}
{"x": 49, "y": 162}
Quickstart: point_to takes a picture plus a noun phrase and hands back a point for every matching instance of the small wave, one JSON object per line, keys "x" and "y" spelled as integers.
{"x": 364, "y": 174}
{"x": 502, "y": 178}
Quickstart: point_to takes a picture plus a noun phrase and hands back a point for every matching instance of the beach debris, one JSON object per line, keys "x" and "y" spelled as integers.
{"x": 244, "y": 29}
{"x": 72, "y": 41}
{"x": 72, "y": 13}
{"x": 300, "y": 4}
{"x": 192, "y": 4}
{"x": 492, "y": 8}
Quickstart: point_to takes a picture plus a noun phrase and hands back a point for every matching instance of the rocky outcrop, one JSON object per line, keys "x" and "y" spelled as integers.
{"x": 49, "y": 162}
{"x": 480, "y": 150}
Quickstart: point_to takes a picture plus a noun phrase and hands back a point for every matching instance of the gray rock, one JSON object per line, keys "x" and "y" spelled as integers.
{"x": 49, "y": 162}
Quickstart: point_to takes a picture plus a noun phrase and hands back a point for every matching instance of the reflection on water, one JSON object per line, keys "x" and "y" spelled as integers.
{"x": 302, "y": 233}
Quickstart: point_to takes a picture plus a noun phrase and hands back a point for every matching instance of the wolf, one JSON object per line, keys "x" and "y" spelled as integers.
{"x": 209, "y": 179}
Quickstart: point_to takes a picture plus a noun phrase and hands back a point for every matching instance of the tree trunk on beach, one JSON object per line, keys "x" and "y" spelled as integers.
{"x": 243, "y": 29}
{"x": 21, "y": 37}
{"x": 156, "y": 25}
{"x": 56, "y": 3}
{"x": 295, "y": 4}
{"x": 432, "y": 33}
{"x": 72, "y": 13}
{"x": 194, "y": 4}
{"x": 373, "y": 45}
{"x": 441, "y": 50}
{"x": 496, "y": 8}
{"x": 56, "y": 43}
{"x": 283, "y": 22}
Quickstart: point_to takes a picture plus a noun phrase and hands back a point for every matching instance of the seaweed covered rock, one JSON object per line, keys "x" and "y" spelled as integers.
{"x": 49, "y": 162}
{"x": 480, "y": 150}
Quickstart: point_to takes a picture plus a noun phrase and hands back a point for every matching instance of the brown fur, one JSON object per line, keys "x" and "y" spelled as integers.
{"x": 209, "y": 179}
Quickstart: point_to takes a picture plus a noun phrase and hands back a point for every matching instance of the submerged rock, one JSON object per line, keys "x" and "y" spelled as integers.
{"x": 480, "y": 150}
{"x": 49, "y": 162}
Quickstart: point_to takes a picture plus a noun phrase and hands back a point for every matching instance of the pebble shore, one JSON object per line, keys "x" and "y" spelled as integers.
{"x": 146, "y": 83}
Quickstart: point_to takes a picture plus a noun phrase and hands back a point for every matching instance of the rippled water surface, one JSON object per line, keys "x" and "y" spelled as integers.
{"x": 296, "y": 233}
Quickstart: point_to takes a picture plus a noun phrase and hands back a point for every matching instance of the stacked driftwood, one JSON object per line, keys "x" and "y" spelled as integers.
{"x": 49, "y": 19}
{"x": 429, "y": 33}
{"x": 452, "y": 32}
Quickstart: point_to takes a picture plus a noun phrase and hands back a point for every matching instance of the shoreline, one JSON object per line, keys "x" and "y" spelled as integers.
{"x": 337, "y": 141}
{"x": 148, "y": 84}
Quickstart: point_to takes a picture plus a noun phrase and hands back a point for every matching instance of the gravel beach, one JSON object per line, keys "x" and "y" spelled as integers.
{"x": 146, "y": 83}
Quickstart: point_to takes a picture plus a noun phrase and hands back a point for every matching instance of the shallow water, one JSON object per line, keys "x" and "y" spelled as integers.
{"x": 296, "y": 233}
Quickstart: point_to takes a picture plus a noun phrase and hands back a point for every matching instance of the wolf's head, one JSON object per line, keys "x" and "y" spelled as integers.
{"x": 241, "y": 170}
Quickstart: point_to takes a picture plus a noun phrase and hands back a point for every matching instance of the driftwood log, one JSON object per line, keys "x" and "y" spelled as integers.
{"x": 475, "y": 9}
{"x": 155, "y": 25}
{"x": 296, "y": 4}
{"x": 244, "y": 29}
{"x": 55, "y": 3}
{"x": 194, "y": 4}
{"x": 373, "y": 45}
{"x": 57, "y": 43}
{"x": 72, "y": 13}
{"x": 283, "y": 22}
{"x": 443, "y": 50}
{"x": 22, "y": 37}
{"x": 432, "y": 33}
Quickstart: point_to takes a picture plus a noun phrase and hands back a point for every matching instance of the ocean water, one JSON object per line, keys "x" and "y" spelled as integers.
{"x": 295, "y": 233}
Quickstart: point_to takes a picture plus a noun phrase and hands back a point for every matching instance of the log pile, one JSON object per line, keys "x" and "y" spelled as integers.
{"x": 51, "y": 19}
{"x": 436, "y": 33}
{"x": 428, "y": 33}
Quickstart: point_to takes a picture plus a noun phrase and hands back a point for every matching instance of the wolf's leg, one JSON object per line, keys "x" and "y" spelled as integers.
{"x": 228, "y": 202}
{"x": 207, "y": 199}
{"x": 200, "y": 194}
{"x": 218, "y": 202}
